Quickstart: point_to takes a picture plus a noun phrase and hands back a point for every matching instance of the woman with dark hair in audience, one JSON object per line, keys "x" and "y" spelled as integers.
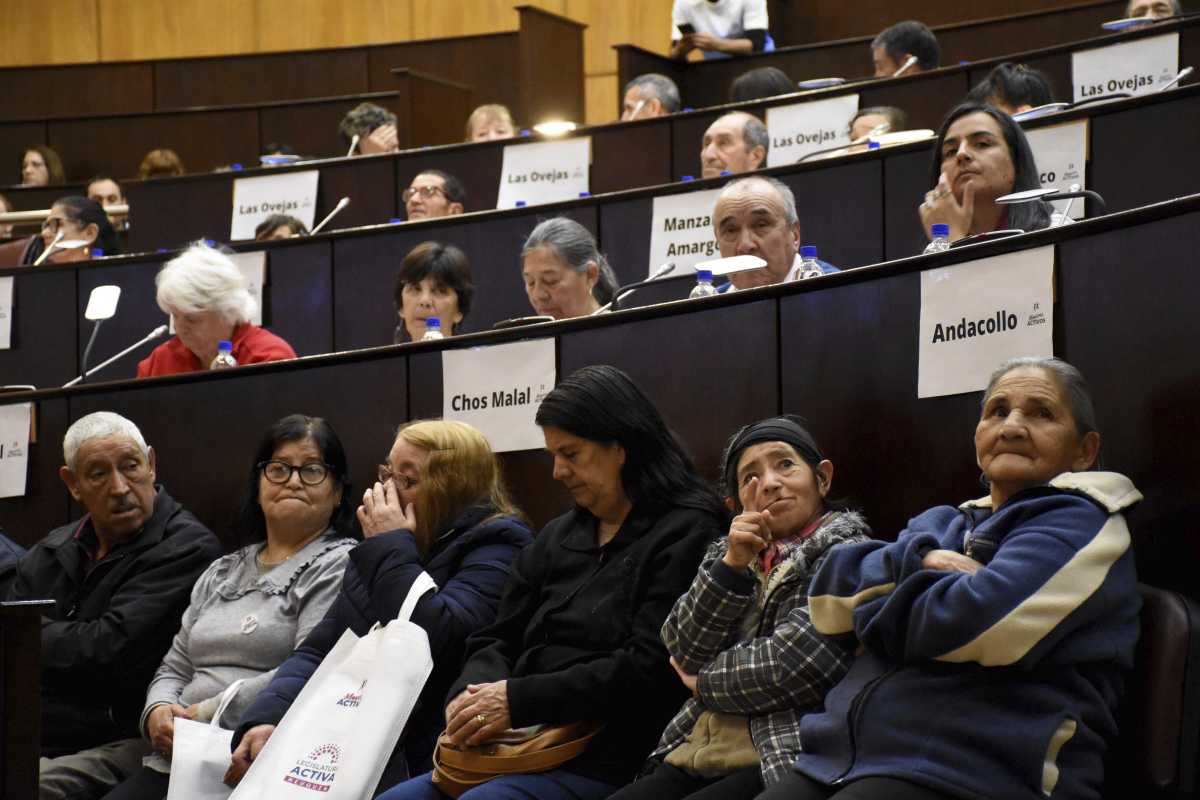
{"x": 6, "y": 229}
{"x": 41, "y": 166}
{"x": 279, "y": 226}
{"x": 981, "y": 154}
{"x": 434, "y": 281}
{"x": 759, "y": 83}
{"x": 577, "y": 635}
{"x": 1012, "y": 88}
{"x": 565, "y": 274}
{"x": 995, "y": 636}
{"x": 161, "y": 163}
{"x": 78, "y": 220}
{"x": 209, "y": 301}
{"x": 252, "y": 608}
{"x": 740, "y": 638}
{"x": 439, "y": 507}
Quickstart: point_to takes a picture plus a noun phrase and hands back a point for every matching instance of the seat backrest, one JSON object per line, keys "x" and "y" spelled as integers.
{"x": 1160, "y": 727}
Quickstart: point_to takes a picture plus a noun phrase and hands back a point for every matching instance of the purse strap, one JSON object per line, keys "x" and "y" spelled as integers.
{"x": 226, "y": 698}
{"x": 424, "y": 583}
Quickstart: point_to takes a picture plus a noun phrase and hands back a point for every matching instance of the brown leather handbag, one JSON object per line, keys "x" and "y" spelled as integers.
{"x": 539, "y": 748}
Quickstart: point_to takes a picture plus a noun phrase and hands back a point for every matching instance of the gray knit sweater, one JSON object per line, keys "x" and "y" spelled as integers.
{"x": 242, "y": 624}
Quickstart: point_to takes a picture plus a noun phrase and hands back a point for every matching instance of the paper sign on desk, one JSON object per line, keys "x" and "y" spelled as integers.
{"x": 682, "y": 231}
{"x": 978, "y": 314}
{"x": 498, "y": 389}
{"x": 14, "y": 448}
{"x": 6, "y": 307}
{"x": 1136, "y": 68}
{"x": 545, "y": 172}
{"x": 1061, "y": 155}
{"x": 255, "y": 199}
{"x": 804, "y": 128}
{"x": 254, "y": 268}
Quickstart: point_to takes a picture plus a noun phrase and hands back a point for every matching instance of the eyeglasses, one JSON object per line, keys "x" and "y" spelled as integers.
{"x": 426, "y": 192}
{"x": 311, "y": 474}
{"x": 385, "y": 474}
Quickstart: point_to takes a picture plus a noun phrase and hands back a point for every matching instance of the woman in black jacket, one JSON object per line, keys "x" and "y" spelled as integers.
{"x": 439, "y": 507}
{"x": 577, "y": 635}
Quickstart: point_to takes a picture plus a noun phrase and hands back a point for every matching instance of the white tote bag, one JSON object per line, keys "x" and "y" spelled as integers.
{"x": 200, "y": 755}
{"x": 336, "y": 738}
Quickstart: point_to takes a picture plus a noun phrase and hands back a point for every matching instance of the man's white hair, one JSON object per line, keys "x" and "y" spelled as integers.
{"x": 99, "y": 425}
{"x": 204, "y": 279}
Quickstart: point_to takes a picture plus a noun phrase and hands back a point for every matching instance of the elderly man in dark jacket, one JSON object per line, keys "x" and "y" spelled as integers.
{"x": 120, "y": 578}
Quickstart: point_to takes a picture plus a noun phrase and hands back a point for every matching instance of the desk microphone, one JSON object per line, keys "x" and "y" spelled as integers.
{"x": 905, "y": 67}
{"x": 1183, "y": 73}
{"x": 154, "y": 334}
{"x": 353, "y": 146}
{"x": 665, "y": 269}
{"x": 345, "y": 201}
{"x": 50, "y": 249}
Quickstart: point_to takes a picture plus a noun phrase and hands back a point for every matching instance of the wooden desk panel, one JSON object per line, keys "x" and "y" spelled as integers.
{"x": 258, "y": 78}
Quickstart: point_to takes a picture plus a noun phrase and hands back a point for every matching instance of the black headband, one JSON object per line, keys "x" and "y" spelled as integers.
{"x": 776, "y": 429}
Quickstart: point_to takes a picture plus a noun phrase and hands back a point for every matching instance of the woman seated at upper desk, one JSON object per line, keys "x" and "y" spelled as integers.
{"x": 83, "y": 224}
{"x": 982, "y": 154}
{"x": 565, "y": 273}
{"x": 434, "y": 281}
{"x": 206, "y": 295}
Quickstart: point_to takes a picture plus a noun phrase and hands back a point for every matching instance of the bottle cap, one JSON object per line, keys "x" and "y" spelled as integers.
{"x": 941, "y": 229}
{"x": 225, "y": 346}
{"x": 433, "y": 322}
{"x": 872, "y": 145}
{"x": 394, "y": 220}
{"x": 97, "y": 252}
{"x": 236, "y": 167}
{"x": 520, "y": 204}
{"x": 526, "y": 132}
{"x": 808, "y": 251}
{"x": 725, "y": 173}
{"x": 585, "y": 194}
{"x": 687, "y": 178}
{"x": 704, "y": 274}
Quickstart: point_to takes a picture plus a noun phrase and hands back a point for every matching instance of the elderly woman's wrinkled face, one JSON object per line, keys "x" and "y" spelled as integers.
{"x": 772, "y": 477}
{"x": 295, "y": 506}
{"x": 428, "y": 298}
{"x": 34, "y": 171}
{"x": 974, "y": 152}
{"x": 72, "y": 230}
{"x": 201, "y": 331}
{"x": 591, "y": 471}
{"x": 555, "y": 289}
{"x": 1026, "y": 434}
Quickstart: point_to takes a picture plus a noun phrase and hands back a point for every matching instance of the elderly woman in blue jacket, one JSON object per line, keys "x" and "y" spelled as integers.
{"x": 439, "y": 507}
{"x": 995, "y": 634}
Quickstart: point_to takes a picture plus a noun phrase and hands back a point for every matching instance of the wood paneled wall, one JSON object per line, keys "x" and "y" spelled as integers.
{"x": 120, "y": 30}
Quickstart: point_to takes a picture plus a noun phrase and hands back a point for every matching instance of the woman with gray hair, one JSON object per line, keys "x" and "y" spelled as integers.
{"x": 565, "y": 273}
{"x": 207, "y": 298}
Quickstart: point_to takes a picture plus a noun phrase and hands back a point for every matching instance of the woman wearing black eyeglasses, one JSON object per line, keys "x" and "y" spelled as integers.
{"x": 253, "y": 607}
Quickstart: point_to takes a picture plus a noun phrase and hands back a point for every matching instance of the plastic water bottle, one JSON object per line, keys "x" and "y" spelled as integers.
{"x": 703, "y": 287}
{"x": 433, "y": 330}
{"x": 940, "y": 242}
{"x": 224, "y": 359}
{"x": 809, "y": 268}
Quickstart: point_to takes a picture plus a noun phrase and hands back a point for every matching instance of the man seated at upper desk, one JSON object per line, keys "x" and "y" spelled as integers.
{"x": 756, "y": 216}
{"x": 375, "y": 128}
{"x": 650, "y": 95}
{"x": 905, "y": 48}
{"x": 120, "y": 579}
{"x": 107, "y": 192}
{"x": 433, "y": 194}
{"x": 720, "y": 28}
{"x": 1155, "y": 9}
{"x": 735, "y": 143}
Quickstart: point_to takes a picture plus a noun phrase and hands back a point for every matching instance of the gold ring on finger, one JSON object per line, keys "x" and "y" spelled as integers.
{"x": 481, "y": 718}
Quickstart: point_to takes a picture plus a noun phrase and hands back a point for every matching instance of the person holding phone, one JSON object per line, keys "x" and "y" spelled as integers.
{"x": 720, "y": 28}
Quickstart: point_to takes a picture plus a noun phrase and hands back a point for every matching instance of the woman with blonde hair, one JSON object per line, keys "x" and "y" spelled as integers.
{"x": 439, "y": 507}
{"x": 492, "y": 121}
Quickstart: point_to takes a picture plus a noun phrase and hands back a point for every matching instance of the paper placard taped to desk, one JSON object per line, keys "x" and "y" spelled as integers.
{"x": 804, "y": 128}
{"x": 14, "y": 448}
{"x": 255, "y": 199}
{"x": 1061, "y": 155}
{"x": 497, "y": 389}
{"x": 682, "y": 231}
{"x": 545, "y": 172}
{"x": 6, "y": 307}
{"x": 1137, "y": 67}
{"x": 978, "y": 314}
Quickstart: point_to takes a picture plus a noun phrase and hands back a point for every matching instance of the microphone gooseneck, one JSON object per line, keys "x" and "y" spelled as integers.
{"x": 905, "y": 67}
{"x": 345, "y": 201}
{"x": 664, "y": 270}
{"x": 58, "y": 237}
{"x": 353, "y": 146}
{"x": 154, "y": 334}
